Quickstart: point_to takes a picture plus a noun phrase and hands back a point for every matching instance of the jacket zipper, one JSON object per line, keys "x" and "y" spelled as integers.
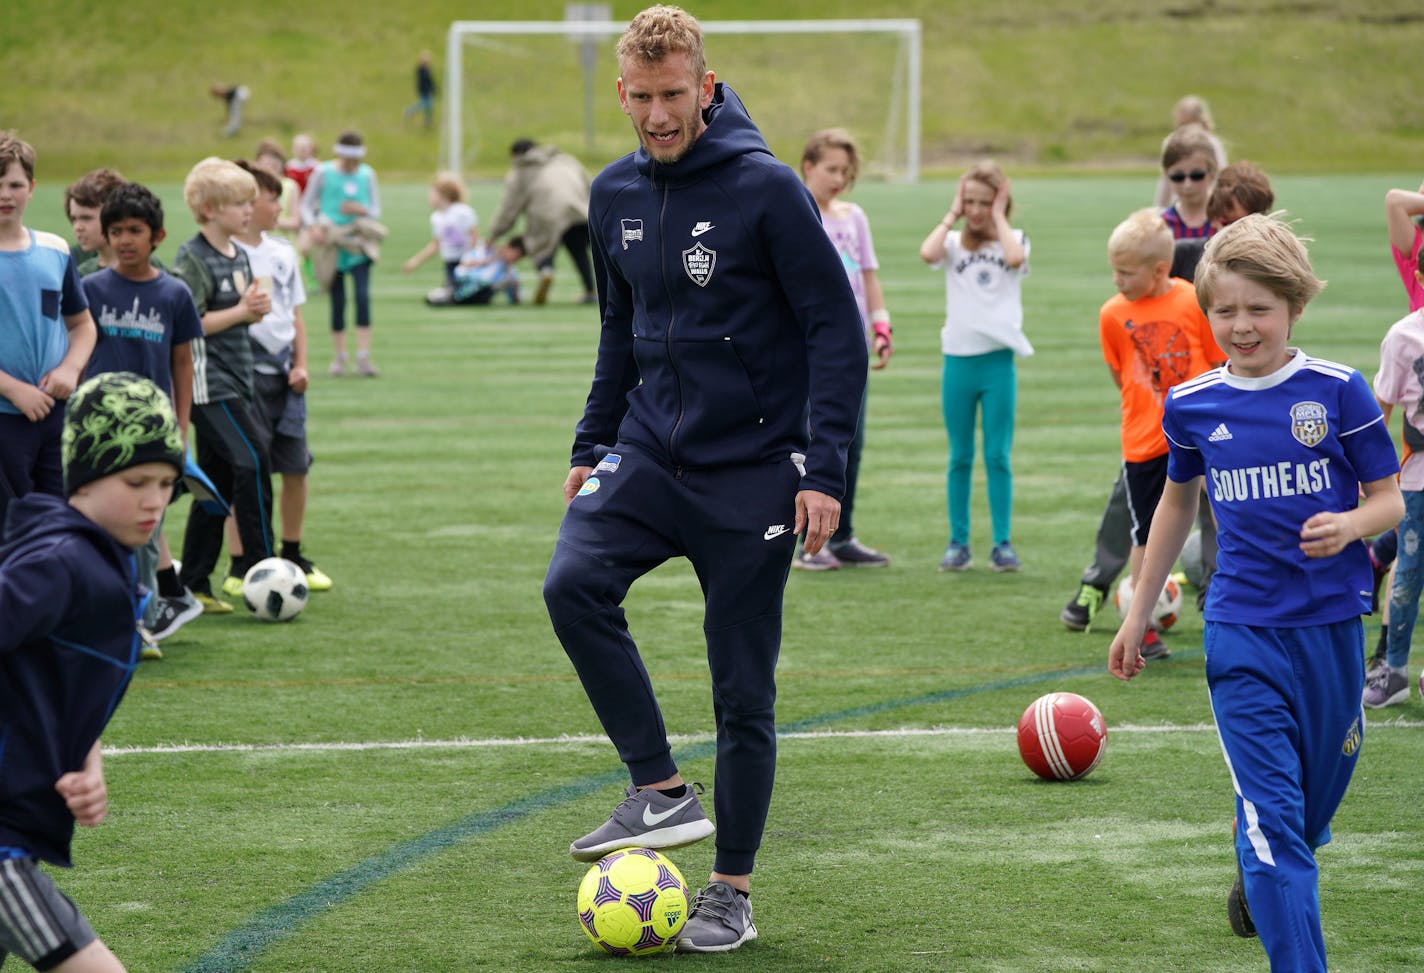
{"x": 667, "y": 339}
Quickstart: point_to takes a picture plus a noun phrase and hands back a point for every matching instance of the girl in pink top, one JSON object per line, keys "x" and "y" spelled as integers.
{"x": 829, "y": 165}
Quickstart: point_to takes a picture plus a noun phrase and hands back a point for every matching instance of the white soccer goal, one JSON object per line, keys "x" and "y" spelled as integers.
{"x": 796, "y": 76}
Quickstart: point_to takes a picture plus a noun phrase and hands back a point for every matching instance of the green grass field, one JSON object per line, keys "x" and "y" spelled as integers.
{"x": 391, "y": 780}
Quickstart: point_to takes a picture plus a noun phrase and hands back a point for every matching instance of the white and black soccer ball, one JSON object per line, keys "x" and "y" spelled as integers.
{"x": 274, "y": 589}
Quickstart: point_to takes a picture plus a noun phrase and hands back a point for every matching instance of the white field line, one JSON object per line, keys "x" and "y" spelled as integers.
{"x": 465, "y": 743}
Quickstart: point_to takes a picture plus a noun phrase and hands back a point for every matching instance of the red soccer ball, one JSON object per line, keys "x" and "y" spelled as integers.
{"x": 1062, "y": 736}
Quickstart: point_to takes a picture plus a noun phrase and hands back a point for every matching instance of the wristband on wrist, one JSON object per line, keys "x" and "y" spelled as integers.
{"x": 880, "y": 323}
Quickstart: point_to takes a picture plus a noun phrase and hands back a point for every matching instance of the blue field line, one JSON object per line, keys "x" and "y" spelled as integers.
{"x": 267, "y": 928}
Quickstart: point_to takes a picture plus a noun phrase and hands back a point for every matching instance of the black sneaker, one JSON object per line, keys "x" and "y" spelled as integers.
{"x": 173, "y": 613}
{"x": 1079, "y": 613}
{"x": 854, "y": 554}
{"x": 1238, "y": 911}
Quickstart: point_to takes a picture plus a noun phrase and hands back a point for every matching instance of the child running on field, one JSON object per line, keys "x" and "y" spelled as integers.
{"x": 984, "y": 267}
{"x": 68, "y": 649}
{"x": 1285, "y": 443}
{"x": 829, "y": 165}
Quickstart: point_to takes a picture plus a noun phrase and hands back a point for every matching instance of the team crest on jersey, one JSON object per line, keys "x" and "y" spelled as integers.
{"x": 632, "y": 230}
{"x": 1353, "y": 736}
{"x": 699, "y": 261}
{"x": 1308, "y": 423}
{"x": 609, "y": 463}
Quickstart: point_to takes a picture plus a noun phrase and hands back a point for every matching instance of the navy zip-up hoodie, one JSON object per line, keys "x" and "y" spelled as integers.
{"x": 68, "y": 647}
{"x": 730, "y": 333}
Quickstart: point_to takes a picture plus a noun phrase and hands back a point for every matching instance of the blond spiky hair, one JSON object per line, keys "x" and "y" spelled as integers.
{"x": 1143, "y": 236}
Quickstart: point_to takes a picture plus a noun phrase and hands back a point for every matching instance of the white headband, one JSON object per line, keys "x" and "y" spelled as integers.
{"x": 349, "y": 151}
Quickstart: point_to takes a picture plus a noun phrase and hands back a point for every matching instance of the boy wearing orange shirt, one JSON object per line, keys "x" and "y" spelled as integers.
{"x": 1154, "y": 336}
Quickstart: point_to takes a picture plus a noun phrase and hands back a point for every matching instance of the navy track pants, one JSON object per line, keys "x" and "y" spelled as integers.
{"x": 735, "y": 526}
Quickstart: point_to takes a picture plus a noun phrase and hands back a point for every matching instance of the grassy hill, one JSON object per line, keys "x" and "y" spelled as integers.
{"x": 1050, "y": 84}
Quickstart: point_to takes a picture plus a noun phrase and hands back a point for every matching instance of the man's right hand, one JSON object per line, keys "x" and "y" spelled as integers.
{"x": 575, "y": 481}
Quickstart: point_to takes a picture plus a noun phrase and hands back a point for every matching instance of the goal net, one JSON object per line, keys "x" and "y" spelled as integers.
{"x": 553, "y": 81}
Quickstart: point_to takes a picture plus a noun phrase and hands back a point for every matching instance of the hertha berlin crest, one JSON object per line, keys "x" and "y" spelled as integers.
{"x": 698, "y": 262}
{"x": 1308, "y": 423}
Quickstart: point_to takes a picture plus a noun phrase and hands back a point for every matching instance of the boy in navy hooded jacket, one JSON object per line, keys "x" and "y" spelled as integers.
{"x": 69, "y": 605}
{"x": 731, "y": 365}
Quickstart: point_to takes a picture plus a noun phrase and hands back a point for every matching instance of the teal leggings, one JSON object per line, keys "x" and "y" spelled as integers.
{"x": 986, "y": 383}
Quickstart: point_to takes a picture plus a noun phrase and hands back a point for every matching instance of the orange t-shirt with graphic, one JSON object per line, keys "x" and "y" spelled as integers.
{"x": 1153, "y": 344}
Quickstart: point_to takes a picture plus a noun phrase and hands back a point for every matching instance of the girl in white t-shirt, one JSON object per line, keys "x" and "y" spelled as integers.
{"x": 454, "y": 227}
{"x": 829, "y": 165}
{"x": 984, "y": 265}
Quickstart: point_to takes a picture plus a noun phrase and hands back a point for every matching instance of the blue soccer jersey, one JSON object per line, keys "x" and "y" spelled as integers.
{"x": 1275, "y": 451}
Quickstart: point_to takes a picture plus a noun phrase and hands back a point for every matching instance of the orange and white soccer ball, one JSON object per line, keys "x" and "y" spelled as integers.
{"x": 1169, "y": 603}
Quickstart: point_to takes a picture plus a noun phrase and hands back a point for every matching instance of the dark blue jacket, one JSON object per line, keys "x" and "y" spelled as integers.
{"x": 68, "y": 647}
{"x": 730, "y": 333}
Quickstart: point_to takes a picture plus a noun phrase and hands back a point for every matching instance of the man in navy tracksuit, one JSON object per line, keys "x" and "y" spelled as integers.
{"x": 730, "y": 370}
{"x": 69, "y": 605}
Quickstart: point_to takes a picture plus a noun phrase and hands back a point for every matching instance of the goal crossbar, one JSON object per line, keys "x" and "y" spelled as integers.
{"x": 906, "y": 28}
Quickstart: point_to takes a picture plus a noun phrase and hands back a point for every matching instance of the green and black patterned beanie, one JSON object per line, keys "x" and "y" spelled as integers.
{"x": 114, "y": 421}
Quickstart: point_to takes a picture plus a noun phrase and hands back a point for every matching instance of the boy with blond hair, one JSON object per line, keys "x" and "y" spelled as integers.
{"x": 46, "y": 335}
{"x": 1154, "y": 336}
{"x": 1285, "y": 445}
{"x": 231, "y": 448}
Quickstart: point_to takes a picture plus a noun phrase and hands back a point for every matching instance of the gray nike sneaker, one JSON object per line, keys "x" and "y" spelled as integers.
{"x": 647, "y": 819}
{"x": 720, "y": 920}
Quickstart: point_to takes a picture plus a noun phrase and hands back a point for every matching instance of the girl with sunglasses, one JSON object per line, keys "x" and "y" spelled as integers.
{"x": 1189, "y": 164}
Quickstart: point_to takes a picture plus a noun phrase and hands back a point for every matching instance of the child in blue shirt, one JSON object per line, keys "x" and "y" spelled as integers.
{"x": 1286, "y": 445}
{"x": 46, "y": 335}
{"x": 146, "y": 320}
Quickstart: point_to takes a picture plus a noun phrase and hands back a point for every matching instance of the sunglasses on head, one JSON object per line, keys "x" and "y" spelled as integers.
{"x": 1196, "y": 175}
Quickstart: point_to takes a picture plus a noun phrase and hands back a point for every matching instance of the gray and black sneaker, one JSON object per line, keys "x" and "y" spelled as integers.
{"x": 647, "y": 818}
{"x": 854, "y": 554}
{"x": 720, "y": 920}
{"x": 1385, "y": 687}
{"x": 171, "y": 614}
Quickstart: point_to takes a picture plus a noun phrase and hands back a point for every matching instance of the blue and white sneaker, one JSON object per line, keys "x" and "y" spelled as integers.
{"x": 1004, "y": 558}
{"x": 647, "y": 818}
{"x": 719, "y": 921}
{"x": 956, "y": 558}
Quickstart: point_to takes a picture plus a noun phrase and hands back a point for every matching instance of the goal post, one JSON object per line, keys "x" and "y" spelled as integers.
{"x": 863, "y": 75}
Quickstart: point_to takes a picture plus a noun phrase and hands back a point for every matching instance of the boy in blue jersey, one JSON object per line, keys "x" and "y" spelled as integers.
{"x": 1287, "y": 444}
{"x": 46, "y": 335}
{"x": 147, "y": 321}
{"x": 68, "y": 648}
{"x": 731, "y": 367}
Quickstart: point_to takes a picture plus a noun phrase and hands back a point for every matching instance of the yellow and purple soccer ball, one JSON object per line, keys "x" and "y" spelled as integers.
{"x": 633, "y": 902}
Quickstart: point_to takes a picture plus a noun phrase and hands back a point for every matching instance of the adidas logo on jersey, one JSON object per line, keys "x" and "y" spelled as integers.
{"x": 1219, "y": 434}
